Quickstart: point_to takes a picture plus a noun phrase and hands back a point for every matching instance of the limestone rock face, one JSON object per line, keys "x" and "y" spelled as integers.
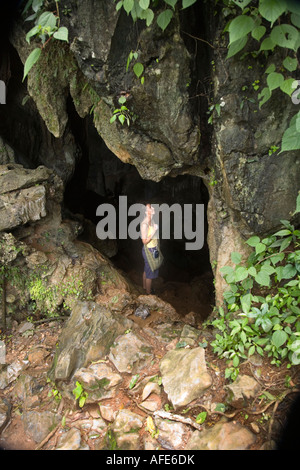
{"x": 23, "y": 194}
{"x": 92, "y": 69}
{"x": 252, "y": 187}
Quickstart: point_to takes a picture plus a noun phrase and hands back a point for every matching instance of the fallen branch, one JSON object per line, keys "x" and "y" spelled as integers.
{"x": 173, "y": 417}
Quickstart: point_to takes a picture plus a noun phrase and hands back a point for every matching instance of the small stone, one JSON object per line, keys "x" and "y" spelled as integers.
{"x": 152, "y": 404}
{"x": 151, "y": 387}
{"x": 242, "y": 390}
{"x": 130, "y": 353}
{"x": 171, "y": 435}
{"x": 125, "y": 430}
{"x": 25, "y": 326}
{"x": 70, "y": 440}
{"x": 255, "y": 428}
{"x": 142, "y": 312}
{"x": 108, "y": 413}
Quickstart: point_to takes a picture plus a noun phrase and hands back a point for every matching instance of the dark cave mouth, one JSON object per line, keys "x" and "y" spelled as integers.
{"x": 185, "y": 278}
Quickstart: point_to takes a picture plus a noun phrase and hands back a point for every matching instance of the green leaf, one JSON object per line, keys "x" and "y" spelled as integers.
{"x": 236, "y": 257}
{"x": 144, "y": 4}
{"x": 279, "y": 337}
{"x": 260, "y": 248}
{"x": 164, "y": 19}
{"x": 239, "y": 27}
{"x": 147, "y": 15}
{"x": 122, "y": 118}
{"x": 236, "y": 47}
{"x": 35, "y": 30}
{"x": 242, "y": 3}
{"x": 290, "y": 64}
{"x": 138, "y": 69}
{"x": 187, "y": 3}
{"x": 37, "y": 4}
{"x": 274, "y": 80}
{"x": 246, "y": 302}
{"x": 128, "y": 5}
{"x": 61, "y": 34}
{"x": 285, "y": 243}
{"x": 235, "y": 361}
{"x": 290, "y": 139}
{"x": 264, "y": 96}
{"x": 226, "y": 270}
{"x": 172, "y": 3}
{"x": 201, "y": 417}
{"x": 240, "y": 273}
{"x": 295, "y": 19}
{"x": 271, "y": 68}
{"x": 268, "y": 268}
{"x": 47, "y": 19}
{"x": 276, "y": 258}
{"x": 252, "y": 271}
{"x": 267, "y": 45}
{"x": 119, "y": 5}
{"x": 253, "y": 241}
{"x": 271, "y": 9}
{"x": 289, "y": 271}
{"x": 31, "y": 60}
{"x": 220, "y": 407}
{"x": 287, "y": 86}
{"x": 77, "y": 391}
{"x": 262, "y": 278}
{"x": 297, "y": 203}
{"x": 285, "y": 35}
{"x": 282, "y": 233}
{"x": 258, "y": 32}
{"x": 133, "y": 381}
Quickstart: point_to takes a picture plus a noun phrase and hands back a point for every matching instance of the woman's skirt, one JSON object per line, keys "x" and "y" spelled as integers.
{"x": 149, "y": 273}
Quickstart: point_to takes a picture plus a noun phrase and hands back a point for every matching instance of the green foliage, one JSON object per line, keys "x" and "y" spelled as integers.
{"x": 133, "y": 381}
{"x": 80, "y": 394}
{"x": 140, "y": 9}
{"x": 273, "y": 24}
{"x": 123, "y": 113}
{"x": 47, "y": 297}
{"x": 46, "y": 26}
{"x": 261, "y": 311}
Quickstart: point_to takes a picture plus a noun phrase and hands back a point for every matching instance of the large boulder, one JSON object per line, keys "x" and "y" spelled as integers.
{"x": 26, "y": 195}
{"x": 184, "y": 375}
{"x": 88, "y": 336}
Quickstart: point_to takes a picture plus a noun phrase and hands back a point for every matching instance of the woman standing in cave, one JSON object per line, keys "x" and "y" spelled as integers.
{"x": 150, "y": 251}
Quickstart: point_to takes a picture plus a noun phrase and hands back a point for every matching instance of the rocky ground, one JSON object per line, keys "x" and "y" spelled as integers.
{"x": 146, "y": 378}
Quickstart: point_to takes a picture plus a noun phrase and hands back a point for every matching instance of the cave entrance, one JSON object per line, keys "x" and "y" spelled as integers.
{"x": 185, "y": 279}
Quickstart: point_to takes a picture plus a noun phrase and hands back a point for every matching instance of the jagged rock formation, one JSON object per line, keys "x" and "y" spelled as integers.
{"x": 247, "y": 192}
